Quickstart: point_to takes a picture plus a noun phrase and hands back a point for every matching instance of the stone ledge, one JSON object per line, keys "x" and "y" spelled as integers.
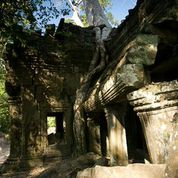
{"x": 155, "y": 96}
{"x": 130, "y": 171}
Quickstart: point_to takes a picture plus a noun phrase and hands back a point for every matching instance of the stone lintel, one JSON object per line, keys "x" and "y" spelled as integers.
{"x": 155, "y": 96}
{"x": 130, "y": 77}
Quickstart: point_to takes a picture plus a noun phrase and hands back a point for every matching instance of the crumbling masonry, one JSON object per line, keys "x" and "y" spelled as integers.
{"x": 131, "y": 112}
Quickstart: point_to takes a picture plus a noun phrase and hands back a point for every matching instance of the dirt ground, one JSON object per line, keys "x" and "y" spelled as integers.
{"x": 4, "y": 148}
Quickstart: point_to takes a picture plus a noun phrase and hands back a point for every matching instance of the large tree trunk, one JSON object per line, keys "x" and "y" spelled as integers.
{"x": 95, "y": 13}
{"x": 75, "y": 16}
{"x": 97, "y": 64}
{"x": 96, "y": 17}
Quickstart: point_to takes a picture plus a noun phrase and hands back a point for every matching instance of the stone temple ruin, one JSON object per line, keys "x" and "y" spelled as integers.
{"x": 131, "y": 110}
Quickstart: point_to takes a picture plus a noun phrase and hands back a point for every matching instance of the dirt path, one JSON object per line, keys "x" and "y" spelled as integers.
{"x": 4, "y": 148}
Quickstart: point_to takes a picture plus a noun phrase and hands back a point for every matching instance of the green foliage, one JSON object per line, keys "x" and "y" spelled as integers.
{"x": 4, "y": 114}
{"x": 29, "y": 14}
{"x": 51, "y": 121}
{"x": 105, "y": 4}
{"x": 70, "y": 21}
{"x": 84, "y": 20}
{"x": 111, "y": 19}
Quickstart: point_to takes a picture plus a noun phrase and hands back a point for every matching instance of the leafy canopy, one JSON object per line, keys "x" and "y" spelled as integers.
{"x": 4, "y": 114}
{"x": 26, "y": 13}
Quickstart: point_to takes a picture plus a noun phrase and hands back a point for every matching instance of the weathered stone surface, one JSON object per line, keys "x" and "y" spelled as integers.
{"x": 157, "y": 95}
{"x": 156, "y": 105}
{"x": 143, "y": 49}
{"x": 121, "y": 82}
{"x": 43, "y": 74}
{"x": 133, "y": 75}
{"x": 125, "y": 77}
{"x": 172, "y": 160}
{"x": 93, "y": 102}
{"x": 130, "y": 171}
{"x": 117, "y": 134}
{"x": 94, "y": 136}
{"x": 47, "y": 70}
{"x": 15, "y": 134}
{"x": 69, "y": 168}
{"x": 16, "y": 126}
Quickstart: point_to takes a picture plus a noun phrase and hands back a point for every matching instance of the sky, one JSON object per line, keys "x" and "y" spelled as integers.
{"x": 119, "y": 9}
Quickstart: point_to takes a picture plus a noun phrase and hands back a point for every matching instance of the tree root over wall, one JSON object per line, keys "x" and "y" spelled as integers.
{"x": 98, "y": 64}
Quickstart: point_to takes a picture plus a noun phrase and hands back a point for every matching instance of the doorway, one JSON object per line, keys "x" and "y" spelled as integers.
{"x": 136, "y": 144}
{"x": 56, "y": 127}
{"x": 103, "y": 133}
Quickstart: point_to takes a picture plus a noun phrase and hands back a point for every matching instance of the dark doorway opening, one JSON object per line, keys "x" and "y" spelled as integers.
{"x": 97, "y": 133}
{"x": 103, "y": 133}
{"x": 55, "y": 127}
{"x": 136, "y": 144}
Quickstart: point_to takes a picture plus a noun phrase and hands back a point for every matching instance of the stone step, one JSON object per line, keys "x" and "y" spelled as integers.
{"x": 56, "y": 152}
{"x": 130, "y": 171}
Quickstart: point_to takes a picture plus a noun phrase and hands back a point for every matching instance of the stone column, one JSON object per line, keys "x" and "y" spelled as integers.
{"x": 13, "y": 89}
{"x": 69, "y": 137}
{"x": 172, "y": 160}
{"x": 32, "y": 135}
{"x": 16, "y": 127}
{"x": 117, "y": 135}
{"x": 94, "y": 137}
{"x": 15, "y": 114}
{"x": 157, "y": 105}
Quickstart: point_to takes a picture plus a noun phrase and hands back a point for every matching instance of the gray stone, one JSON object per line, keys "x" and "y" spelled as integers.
{"x": 156, "y": 106}
{"x": 143, "y": 49}
{"x": 131, "y": 171}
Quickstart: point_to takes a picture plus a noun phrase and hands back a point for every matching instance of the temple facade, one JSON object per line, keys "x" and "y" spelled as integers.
{"x": 131, "y": 108}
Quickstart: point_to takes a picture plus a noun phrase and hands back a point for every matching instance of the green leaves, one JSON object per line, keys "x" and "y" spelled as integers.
{"x": 111, "y": 19}
{"x": 4, "y": 114}
{"x": 26, "y": 13}
{"x": 105, "y": 3}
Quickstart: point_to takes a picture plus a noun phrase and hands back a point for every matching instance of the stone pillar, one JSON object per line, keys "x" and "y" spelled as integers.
{"x": 117, "y": 135}
{"x": 16, "y": 127}
{"x": 69, "y": 137}
{"x": 172, "y": 160}
{"x": 94, "y": 144}
{"x": 13, "y": 89}
{"x": 157, "y": 106}
{"x": 32, "y": 132}
{"x": 12, "y": 163}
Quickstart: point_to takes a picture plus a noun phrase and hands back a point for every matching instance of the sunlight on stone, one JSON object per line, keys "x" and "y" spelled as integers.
{"x": 53, "y": 101}
{"x": 114, "y": 139}
{"x": 109, "y": 83}
{"x": 163, "y": 127}
{"x": 150, "y": 96}
{"x": 28, "y": 94}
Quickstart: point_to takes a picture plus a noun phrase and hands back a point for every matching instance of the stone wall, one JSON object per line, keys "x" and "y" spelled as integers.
{"x": 44, "y": 72}
{"x": 142, "y": 50}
